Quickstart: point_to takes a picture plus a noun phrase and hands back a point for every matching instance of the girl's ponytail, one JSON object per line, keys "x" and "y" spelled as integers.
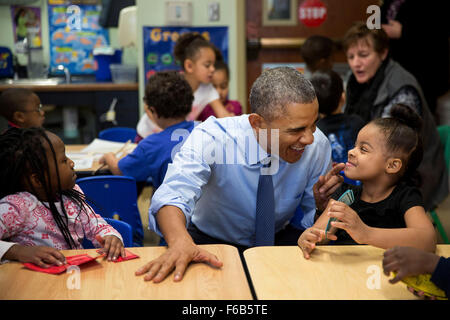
{"x": 403, "y": 139}
{"x": 187, "y": 46}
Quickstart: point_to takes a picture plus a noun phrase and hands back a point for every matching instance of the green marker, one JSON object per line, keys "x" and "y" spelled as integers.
{"x": 347, "y": 197}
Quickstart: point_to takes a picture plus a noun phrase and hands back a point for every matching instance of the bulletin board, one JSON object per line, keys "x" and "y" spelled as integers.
{"x": 74, "y": 32}
{"x": 160, "y": 41}
{"x": 26, "y": 21}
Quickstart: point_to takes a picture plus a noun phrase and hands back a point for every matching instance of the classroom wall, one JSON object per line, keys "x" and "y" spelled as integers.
{"x": 151, "y": 13}
{"x": 7, "y": 37}
{"x": 232, "y": 14}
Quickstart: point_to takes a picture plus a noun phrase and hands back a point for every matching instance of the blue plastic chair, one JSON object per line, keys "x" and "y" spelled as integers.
{"x": 122, "y": 227}
{"x": 118, "y": 134}
{"x": 112, "y": 196}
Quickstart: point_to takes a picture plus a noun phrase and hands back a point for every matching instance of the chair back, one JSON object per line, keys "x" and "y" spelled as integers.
{"x": 118, "y": 134}
{"x": 115, "y": 196}
{"x": 122, "y": 227}
{"x": 444, "y": 134}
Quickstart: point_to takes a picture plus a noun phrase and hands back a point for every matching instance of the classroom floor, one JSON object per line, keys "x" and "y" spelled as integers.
{"x": 152, "y": 239}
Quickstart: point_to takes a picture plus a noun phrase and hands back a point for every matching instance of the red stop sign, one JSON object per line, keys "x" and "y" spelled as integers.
{"x": 312, "y": 13}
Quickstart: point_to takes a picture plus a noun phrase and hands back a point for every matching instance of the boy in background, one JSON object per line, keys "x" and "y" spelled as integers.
{"x": 22, "y": 108}
{"x": 168, "y": 99}
{"x": 317, "y": 52}
{"x": 341, "y": 129}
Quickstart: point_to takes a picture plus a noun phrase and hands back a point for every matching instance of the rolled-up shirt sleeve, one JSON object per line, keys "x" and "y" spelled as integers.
{"x": 182, "y": 185}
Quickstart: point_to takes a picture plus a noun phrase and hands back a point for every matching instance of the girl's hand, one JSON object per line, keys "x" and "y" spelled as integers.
{"x": 308, "y": 239}
{"x": 111, "y": 246}
{"x": 348, "y": 221}
{"x": 41, "y": 256}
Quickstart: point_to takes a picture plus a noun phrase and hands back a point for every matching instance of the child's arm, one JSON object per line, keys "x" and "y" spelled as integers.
{"x": 39, "y": 255}
{"x": 112, "y": 162}
{"x": 234, "y": 107}
{"x": 219, "y": 109}
{"x": 98, "y": 230}
{"x": 13, "y": 222}
{"x": 109, "y": 239}
{"x": 419, "y": 231}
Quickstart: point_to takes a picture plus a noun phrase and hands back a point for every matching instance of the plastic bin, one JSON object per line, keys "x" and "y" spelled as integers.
{"x": 104, "y": 59}
{"x": 122, "y": 73}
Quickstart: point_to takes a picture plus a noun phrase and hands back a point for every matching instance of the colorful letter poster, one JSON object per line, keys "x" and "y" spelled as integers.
{"x": 160, "y": 41}
{"x": 74, "y": 33}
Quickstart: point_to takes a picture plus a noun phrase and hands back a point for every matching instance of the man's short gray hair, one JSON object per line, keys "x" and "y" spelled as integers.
{"x": 276, "y": 88}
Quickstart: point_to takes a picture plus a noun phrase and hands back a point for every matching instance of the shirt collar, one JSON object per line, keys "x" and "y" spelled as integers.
{"x": 13, "y": 125}
{"x": 262, "y": 156}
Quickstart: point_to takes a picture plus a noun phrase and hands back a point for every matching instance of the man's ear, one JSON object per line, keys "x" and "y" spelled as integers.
{"x": 257, "y": 122}
{"x": 394, "y": 165}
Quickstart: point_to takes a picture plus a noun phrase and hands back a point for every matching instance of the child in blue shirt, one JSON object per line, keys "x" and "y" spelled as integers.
{"x": 168, "y": 99}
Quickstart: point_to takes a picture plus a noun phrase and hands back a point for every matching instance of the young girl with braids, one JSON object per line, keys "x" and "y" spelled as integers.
{"x": 197, "y": 57}
{"x": 42, "y": 210}
{"x": 388, "y": 208}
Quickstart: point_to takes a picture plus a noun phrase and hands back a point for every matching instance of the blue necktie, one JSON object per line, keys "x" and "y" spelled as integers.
{"x": 265, "y": 211}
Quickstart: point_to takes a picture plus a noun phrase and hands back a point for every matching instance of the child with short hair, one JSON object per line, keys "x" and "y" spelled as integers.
{"x": 168, "y": 99}
{"x": 341, "y": 129}
{"x": 22, "y": 108}
{"x": 317, "y": 52}
{"x": 197, "y": 57}
{"x": 388, "y": 208}
{"x": 42, "y": 210}
{"x": 220, "y": 80}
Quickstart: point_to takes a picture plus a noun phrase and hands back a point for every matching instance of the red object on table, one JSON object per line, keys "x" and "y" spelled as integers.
{"x": 75, "y": 260}
{"x": 128, "y": 256}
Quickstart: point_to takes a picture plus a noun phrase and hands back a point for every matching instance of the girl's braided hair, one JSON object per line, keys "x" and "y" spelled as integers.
{"x": 22, "y": 154}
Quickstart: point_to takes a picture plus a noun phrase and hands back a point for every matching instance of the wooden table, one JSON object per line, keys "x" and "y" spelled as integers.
{"x": 332, "y": 272}
{"x": 77, "y": 148}
{"x": 101, "y": 280}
